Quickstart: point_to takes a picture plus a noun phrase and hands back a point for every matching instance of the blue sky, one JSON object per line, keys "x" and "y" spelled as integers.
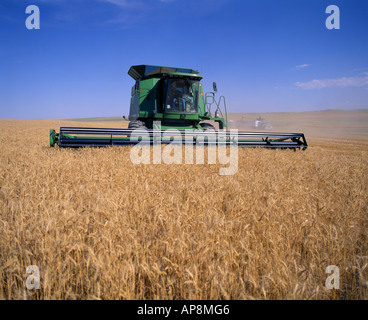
{"x": 266, "y": 56}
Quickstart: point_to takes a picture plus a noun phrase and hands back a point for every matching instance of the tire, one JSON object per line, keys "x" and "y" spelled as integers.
{"x": 137, "y": 124}
{"x": 207, "y": 126}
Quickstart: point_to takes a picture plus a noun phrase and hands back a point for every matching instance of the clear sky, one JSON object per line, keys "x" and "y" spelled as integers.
{"x": 266, "y": 56}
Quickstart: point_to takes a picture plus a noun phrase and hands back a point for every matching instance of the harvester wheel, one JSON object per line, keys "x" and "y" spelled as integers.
{"x": 207, "y": 126}
{"x": 137, "y": 124}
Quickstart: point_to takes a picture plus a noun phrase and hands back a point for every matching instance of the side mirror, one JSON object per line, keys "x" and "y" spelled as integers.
{"x": 214, "y": 85}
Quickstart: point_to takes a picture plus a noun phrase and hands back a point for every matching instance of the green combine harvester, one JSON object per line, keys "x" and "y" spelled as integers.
{"x": 168, "y": 106}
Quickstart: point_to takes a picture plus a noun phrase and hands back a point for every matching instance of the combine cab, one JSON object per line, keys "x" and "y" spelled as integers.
{"x": 261, "y": 123}
{"x": 169, "y": 105}
{"x": 172, "y": 96}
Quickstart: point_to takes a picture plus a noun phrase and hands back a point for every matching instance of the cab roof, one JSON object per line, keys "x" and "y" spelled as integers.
{"x": 143, "y": 71}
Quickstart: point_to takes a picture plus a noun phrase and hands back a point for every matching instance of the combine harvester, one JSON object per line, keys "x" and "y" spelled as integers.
{"x": 167, "y": 106}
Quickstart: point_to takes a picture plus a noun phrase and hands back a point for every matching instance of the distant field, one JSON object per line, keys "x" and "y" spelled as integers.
{"x": 327, "y": 124}
{"x": 99, "y": 227}
{"x": 99, "y": 119}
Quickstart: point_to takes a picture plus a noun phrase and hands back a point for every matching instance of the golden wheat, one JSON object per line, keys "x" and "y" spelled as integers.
{"x": 100, "y": 227}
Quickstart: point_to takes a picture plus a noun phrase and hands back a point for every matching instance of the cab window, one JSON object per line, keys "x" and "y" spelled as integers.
{"x": 182, "y": 95}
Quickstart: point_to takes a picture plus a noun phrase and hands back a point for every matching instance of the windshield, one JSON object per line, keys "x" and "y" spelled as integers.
{"x": 182, "y": 95}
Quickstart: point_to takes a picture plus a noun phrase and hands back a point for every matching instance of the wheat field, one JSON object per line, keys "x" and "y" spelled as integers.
{"x": 99, "y": 227}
